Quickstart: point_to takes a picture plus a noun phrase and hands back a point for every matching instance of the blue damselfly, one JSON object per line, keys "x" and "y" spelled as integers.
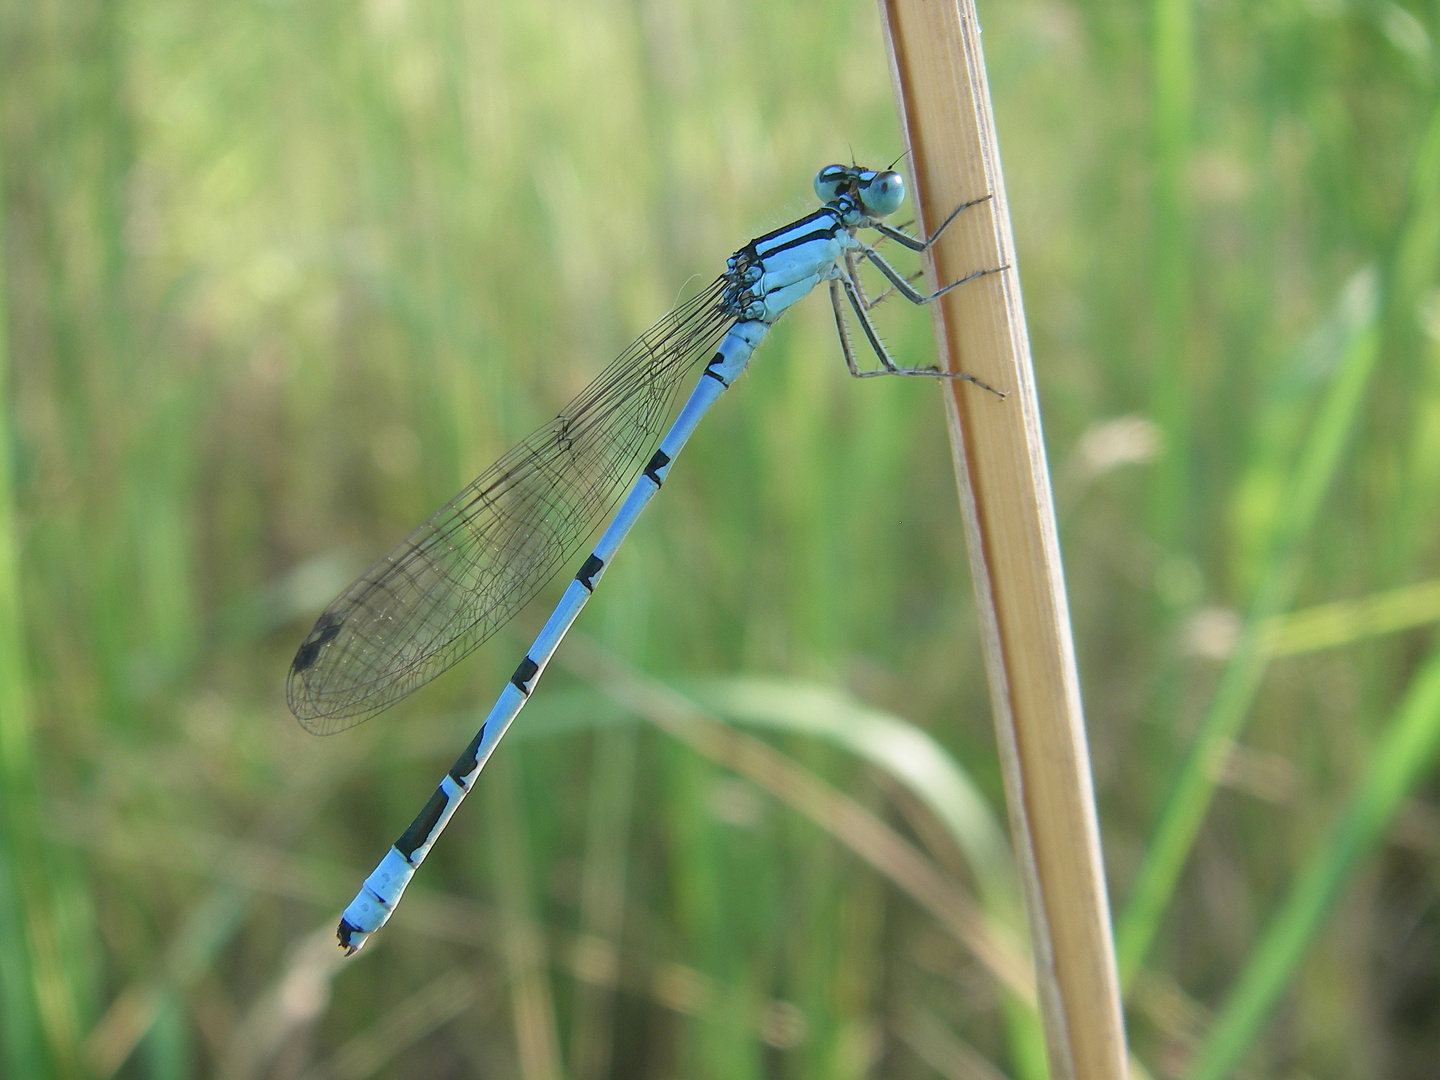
{"x": 463, "y": 574}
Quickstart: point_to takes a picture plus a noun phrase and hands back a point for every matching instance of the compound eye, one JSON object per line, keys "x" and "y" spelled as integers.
{"x": 831, "y": 181}
{"x": 883, "y": 194}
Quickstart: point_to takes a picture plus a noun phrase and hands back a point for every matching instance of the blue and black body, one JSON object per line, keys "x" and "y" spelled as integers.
{"x": 465, "y": 572}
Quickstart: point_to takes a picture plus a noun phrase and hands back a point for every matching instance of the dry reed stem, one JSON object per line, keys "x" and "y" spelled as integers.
{"x": 999, "y": 454}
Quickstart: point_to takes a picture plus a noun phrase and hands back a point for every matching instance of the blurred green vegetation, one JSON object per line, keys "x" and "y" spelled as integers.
{"x": 279, "y": 277}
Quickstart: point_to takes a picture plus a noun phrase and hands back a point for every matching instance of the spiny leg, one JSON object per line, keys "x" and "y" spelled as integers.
{"x": 852, "y": 266}
{"x": 902, "y": 227}
{"x": 905, "y": 289}
{"x": 843, "y": 329}
{"x": 915, "y": 243}
{"x": 888, "y": 366}
{"x": 898, "y": 282}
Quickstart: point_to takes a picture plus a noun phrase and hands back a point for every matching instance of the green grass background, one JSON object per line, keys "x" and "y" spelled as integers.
{"x": 281, "y": 276}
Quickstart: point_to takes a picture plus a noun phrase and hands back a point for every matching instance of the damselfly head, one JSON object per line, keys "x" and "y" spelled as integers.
{"x": 880, "y": 193}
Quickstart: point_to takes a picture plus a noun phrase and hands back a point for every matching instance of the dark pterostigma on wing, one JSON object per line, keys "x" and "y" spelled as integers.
{"x": 463, "y": 574}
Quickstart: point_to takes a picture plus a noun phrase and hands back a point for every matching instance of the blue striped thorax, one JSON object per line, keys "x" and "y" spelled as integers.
{"x": 766, "y": 277}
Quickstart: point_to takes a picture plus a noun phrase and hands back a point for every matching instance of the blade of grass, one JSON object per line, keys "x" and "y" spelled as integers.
{"x": 609, "y": 833}
{"x": 441, "y": 917}
{"x": 536, "y": 1033}
{"x": 39, "y": 1026}
{"x": 602, "y": 900}
{"x": 888, "y": 742}
{"x": 404, "y": 1023}
{"x": 936, "y": 1045}
{"x": 1168, "y": 851}
{"x": 899, "y": 748}
{"x": 891, "y": 744}
{"x": 1403, "y": 757}
{"x": 167, "y": 1044}
{"x": 297, "y": 998}
{"x": 917, "y": 762}
{"x": 134, "y": 1011}
{"x": 1345, "y": 622}
{"x": 1413, "y": 275}
{"x": 709, "y": 924}
{"x": 998, "y": 453}
{"x": 214, "y": 920}
{"x": 843, "y": 818}
{"x": 1173, "y": 76}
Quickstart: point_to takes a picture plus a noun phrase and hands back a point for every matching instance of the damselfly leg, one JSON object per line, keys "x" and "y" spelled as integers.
{"x": 914, "y": 243}
{"x": 849, "y": 283}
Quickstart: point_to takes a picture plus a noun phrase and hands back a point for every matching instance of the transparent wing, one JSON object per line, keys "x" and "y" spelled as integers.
{"x": 463, "y": 574}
